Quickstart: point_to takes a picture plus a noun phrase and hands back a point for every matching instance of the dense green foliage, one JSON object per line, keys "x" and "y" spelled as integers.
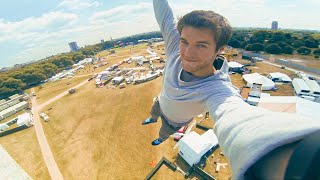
{"x": 275, "y": 42}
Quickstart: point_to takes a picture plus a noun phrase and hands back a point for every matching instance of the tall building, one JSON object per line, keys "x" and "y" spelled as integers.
{"x": 74, "y": 46}
{"x": 274, "y": 25}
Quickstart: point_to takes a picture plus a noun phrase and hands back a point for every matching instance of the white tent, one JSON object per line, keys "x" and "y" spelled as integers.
{"x": 3, "y": 127}
{"x": 25, "y": 119}
{"x": 233, "y": 64}
{"x": 291, "y": 104}
{"x": 137, "y": 58}
{"x": 276, "y": 76}
{"x": 193, "y": 146}
{"x": 117, "y": 80}
{"x": 267, "y": 84}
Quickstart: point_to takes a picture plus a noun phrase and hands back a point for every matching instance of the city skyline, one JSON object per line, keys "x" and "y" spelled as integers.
{"x": 32, "y": 29}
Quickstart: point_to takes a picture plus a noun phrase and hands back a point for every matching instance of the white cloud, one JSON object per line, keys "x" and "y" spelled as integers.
{"x": 124, "y": 10}
{"x": 38, "y": 37}
{"x": 291, "y": 5}
{"x": 32, "y": 27}
{"x": 78, "y": 4}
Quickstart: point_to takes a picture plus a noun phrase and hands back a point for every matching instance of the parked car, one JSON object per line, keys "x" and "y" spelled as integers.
{"x": 90, "y": 78}
{"x": 71, "y": 91}
{"x": 122, "y": 85}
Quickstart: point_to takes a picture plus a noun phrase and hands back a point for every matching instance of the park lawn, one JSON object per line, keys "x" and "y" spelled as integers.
{"x": 25, "y": 150}
{"x": 102, "y": 127}
{"x": 51, "y": 89}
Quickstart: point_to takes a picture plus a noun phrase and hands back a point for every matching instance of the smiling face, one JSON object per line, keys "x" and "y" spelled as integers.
{"x": 198, "y": 51}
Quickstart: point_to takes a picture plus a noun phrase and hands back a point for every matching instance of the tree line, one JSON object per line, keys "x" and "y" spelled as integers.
{"x": 277, "y": 42}
{"x": 274, "y": 42}
{"x": 18, "y": 79}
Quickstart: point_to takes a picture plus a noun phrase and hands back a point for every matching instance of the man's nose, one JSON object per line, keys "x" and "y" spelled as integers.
{"x": 190, "y": 51}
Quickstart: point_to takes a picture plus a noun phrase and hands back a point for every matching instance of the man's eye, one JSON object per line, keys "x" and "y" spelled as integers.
{"x": 184, "y": 42}
{"x": 201, "y": 46}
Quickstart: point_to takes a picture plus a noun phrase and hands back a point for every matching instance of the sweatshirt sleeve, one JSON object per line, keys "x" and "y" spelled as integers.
{"x": 247, "y": 133}
{"x": 167, "y": 26}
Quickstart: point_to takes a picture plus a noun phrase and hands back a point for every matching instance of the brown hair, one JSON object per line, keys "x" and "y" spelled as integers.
{"x": 201, "y": 19}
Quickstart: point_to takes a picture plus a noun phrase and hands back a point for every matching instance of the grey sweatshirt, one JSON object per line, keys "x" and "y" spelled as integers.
{"x": 245, "y": 133}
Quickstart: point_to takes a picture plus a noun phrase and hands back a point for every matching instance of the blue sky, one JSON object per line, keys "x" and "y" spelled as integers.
{"x": 34, "y": 29}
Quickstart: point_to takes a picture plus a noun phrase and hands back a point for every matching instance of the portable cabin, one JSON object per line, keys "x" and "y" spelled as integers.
{"x": 314, "y": 87}
{"x": 193, "y": 146}
{"x": 300, "y": 87}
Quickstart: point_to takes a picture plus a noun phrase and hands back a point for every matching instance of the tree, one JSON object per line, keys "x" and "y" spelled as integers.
{"x": 259, "y": 36}
{"x": 243, "y": 44}
{"x": 279, "y": 36}
{"x": 311, "y": 44}
{"x": 13, "y": 83}
{"x": 287, "y": 49}
{"x": 87, "y": 51}
{"x": 316, "y": 52}
{"x": 273, "y": 49}
{"x": 63, "y": 62}
{"x": 48, "y": 69}
{"x": 239, "y": 37}
{"x": 288, "y": 35}
{"x": 297, "y": 44}
{"x": 257, "y": 39}
{"x": 78, "y": 56}
{"x": 6, "y": 92}
{"x": 234, "y": 43}
{"x": 304, "y": 50}
{"x": 282, "y": 44}
{"x": 255, "y": 47}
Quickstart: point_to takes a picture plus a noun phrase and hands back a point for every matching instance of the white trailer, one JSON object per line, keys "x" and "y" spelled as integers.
{"x": 3, "y": 127}
{"x": 20, "y": 106}
{"x": 7, "y": 112}
{"x": 2, "y": 101}
{"x": 13, "y": 102}
{"x": 45, "y": 117}
{"x": 314, "y": 87}
{"x": 14, "y": 96}
{"x": 300, "y": 87}
{"x": 4, "y": 106}
{"x": 117, "y": 80}
{"x": 279, "y": 77}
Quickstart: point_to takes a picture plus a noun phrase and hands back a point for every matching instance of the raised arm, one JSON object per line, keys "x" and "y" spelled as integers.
{"x": 167, "y": 26}
{"x": 246, "y": 133}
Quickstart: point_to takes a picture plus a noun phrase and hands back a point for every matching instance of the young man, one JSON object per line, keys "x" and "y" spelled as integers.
{"x": 196, "y": 80}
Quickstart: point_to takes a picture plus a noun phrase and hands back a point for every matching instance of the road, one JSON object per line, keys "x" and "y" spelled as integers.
{"x": 290, "y": 69}
{"x": 47, "y": 154}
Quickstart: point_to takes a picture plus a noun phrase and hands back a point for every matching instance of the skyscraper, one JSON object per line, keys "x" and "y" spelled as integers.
{"x": 274, "y": 25}
{"x": 74, "y": 46}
